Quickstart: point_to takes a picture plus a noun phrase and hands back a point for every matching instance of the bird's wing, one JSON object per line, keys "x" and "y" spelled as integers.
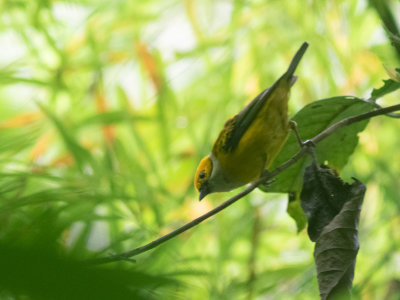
{"x": 235, "y": 127}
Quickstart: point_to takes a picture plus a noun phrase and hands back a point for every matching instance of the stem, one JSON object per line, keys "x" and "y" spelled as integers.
{"x": 348, "y": 121}
{"x": 267, "y": 176}
{"x": 255, "y": 243}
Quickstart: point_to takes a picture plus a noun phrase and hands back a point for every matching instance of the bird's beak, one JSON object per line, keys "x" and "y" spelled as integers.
{"x": 204, "y": 191}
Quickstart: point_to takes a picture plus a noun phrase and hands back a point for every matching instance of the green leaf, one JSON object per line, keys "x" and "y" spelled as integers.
{"x": 82, "y": 156}
{"x": 388, "y": 19}
{"x": 335, "y": 149}
{"x": 113, "y": 117}
{"x": 296, "y": 212}
{"x": 388, "y": 87}
{"x": 14, "y": 140}
{"x": 34, "y": 272}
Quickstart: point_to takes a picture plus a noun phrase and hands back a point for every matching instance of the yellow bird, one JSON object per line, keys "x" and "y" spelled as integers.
{"x": 250, "y": 140}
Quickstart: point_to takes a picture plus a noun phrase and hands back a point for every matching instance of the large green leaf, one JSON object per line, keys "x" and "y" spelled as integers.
{"x": 335, "y": 150}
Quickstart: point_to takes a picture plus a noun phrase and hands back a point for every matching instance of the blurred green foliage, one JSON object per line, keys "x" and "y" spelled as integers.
{"x": 106, "y": 108}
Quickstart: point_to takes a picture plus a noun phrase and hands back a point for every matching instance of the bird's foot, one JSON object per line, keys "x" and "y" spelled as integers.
{"x": 308, "y": 144}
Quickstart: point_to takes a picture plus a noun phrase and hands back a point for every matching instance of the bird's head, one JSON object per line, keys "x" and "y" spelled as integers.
{"x": 202, "y": 177}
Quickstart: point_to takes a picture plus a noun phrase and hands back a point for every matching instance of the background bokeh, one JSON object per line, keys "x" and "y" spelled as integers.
{"x": 106, "y": 108}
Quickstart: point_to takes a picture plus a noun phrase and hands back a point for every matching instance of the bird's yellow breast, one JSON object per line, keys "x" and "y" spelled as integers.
{"x": 261, "y": 142}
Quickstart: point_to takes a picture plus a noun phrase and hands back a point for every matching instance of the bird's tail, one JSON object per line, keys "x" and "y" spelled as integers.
{"x": 295, "y": 61}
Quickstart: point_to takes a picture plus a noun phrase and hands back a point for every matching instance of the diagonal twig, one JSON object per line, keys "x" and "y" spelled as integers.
{"x": 264, "y": 178}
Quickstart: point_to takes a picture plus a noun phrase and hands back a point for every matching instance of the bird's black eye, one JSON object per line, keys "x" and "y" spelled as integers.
{"x": 202, "y": 175}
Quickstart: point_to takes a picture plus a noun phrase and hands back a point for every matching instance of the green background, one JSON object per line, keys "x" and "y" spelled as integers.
{"x": 106, "y": 108}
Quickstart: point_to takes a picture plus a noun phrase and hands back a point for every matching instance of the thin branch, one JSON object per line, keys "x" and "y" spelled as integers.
{"x": 265, "y": 178}
{"x": 348, "y": 121}
{"x": 183, "y": 228}
{"x": 376, "y": 105}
